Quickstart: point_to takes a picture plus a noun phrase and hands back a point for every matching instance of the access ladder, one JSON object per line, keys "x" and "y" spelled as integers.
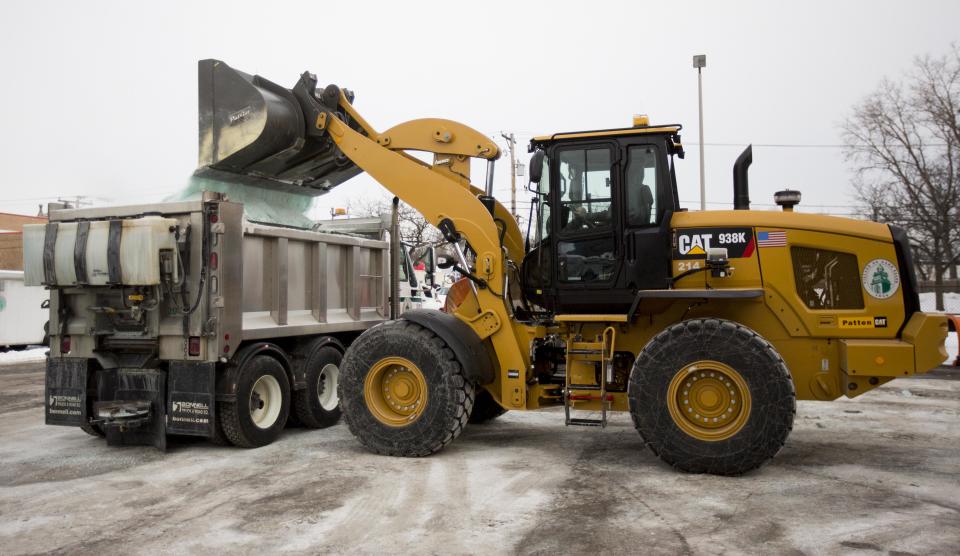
{"x": 581, "y": 383}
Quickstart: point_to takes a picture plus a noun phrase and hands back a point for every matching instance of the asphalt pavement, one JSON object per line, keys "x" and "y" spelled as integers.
{"x": 876, "y": 475}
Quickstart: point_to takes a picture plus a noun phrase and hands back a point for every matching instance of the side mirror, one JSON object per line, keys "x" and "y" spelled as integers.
{"x": 444, "y": 262}
{"x": 536, "y": 166}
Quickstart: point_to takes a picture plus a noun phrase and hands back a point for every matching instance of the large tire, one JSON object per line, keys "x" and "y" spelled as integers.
{"x": 260, "y": 412}
{"x": 427, "y": 401}
{"x": 318, "y": 405}
{"x": 725, "y": 371}
{"x": 485, "y": 408}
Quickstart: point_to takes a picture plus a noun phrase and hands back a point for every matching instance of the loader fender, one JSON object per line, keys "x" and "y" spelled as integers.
{"x": 477, "y": 364}
{"x": 227, "y": 379}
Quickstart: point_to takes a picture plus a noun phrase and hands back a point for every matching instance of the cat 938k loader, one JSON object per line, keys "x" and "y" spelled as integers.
{"x": 705, "y": 326}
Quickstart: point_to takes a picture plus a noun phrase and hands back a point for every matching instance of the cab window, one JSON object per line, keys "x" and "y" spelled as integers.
{"x": 585, "y": 189}
{"x": 641, "y": 185}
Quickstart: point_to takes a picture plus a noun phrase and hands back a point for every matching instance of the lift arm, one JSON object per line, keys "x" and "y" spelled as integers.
{"x": 453, "y": 145}
{"x": 438, "y": 196}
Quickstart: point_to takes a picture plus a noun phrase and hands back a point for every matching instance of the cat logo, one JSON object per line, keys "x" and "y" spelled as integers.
{"x": 693, "y": 244}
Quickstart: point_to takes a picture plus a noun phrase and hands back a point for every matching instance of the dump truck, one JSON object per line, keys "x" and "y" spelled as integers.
{"x": 706, "y": 327}
{"x": 187, "y": 318}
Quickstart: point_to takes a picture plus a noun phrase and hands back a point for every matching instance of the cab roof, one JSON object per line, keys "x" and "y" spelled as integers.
{"x": 668, "y": 129}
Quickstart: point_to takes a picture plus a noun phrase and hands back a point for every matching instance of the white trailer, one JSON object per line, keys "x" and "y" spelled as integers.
{"x": 23, "y": 313}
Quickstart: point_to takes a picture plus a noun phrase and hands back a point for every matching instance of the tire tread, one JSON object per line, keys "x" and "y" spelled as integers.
{"x": 738, "y": 337}
{"x": 463, "y": 393}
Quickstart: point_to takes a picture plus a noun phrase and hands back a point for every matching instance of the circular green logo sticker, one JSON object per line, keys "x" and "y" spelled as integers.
{"x": 880, "y": 278}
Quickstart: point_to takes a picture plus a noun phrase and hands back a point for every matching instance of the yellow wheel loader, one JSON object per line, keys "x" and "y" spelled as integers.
{"x": 705, "y": 326}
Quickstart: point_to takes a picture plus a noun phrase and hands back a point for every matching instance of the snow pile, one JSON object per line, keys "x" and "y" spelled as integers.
{"x": 951, "y": 304}
{"x": 33, "y": 355}
{"x": 952, "y": 347}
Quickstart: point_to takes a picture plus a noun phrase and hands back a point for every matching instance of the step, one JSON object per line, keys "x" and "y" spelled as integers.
{"x": 584, "y": 351}
{"x": 588, "y": 397}
{"x": 586, "y": 422}
{"x": 585, "y": 345}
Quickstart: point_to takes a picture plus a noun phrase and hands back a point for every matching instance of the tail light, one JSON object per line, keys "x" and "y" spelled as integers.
{"x": 193, "y": 346}
{"x": 64, "y": 344}
{"x": 214, "y": 261}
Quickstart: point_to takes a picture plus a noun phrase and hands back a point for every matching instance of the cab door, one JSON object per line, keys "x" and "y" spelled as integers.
{"x": 586, "y": 220}
{"x": 648, "y": 204}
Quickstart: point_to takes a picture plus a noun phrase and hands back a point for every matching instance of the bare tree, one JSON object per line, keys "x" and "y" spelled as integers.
{"x": 414, "y": 228}
{"x": 904, "y": 140}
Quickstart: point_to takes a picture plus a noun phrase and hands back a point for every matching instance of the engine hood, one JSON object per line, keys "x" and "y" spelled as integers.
{"x": 781, "y": 219}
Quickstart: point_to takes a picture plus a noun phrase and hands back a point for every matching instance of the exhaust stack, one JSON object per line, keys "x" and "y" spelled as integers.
{"x": 741, "y": 189}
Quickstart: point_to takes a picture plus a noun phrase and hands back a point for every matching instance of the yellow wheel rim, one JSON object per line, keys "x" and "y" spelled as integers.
{"x": 395, "y": 391}
{"x": 709, "y": 400}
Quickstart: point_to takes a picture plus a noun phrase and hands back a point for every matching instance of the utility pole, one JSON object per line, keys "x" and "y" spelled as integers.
{"x": 700, "y": 62}
{"x": 511, "y": 140}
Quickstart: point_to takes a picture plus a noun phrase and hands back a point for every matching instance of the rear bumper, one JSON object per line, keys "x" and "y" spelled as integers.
{"x": 919, "y": 349}
{"x": 132, "y": 406}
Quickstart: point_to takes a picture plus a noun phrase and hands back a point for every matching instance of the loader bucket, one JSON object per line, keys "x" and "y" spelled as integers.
{"x": 254, "y": 132}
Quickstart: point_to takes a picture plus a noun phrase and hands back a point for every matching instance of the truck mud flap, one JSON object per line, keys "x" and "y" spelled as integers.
{"x": 65, "y": 391}
{"x": 137, "y": 385}
{"x": 190, "y": 398}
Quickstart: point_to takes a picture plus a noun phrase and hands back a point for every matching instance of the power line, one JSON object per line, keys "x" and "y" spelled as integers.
{"x": 762, "y": 145}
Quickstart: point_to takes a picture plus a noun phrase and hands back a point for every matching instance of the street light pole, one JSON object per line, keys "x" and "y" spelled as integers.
{"x": 700, "y": 62}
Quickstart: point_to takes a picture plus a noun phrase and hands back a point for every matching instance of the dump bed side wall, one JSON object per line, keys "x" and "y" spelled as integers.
{"x": 299, "y": 282}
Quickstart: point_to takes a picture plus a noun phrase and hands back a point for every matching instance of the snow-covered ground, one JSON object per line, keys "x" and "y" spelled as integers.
{"x": 951, "y": 302}
{"x": 31, "y": 355}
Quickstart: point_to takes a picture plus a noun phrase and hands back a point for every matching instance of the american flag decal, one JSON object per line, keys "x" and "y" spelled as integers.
{"x": 777, "y": 238}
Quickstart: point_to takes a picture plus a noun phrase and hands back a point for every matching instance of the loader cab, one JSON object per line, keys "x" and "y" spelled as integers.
{"x": 601, "y": 229}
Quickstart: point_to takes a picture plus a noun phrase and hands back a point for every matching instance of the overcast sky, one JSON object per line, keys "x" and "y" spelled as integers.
{"x": 100, "y": 98}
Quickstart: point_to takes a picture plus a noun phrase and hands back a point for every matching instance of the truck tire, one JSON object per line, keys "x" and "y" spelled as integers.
{"x": 485, "y": 408}
{"x": 712, "y": 396}
{"x": 260, "y": 412}
{"x": 219, "y": 438}
{"x": 318, "y": 405}
{"x": 93, "y": 430}
{"x": 402, "y": 390}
